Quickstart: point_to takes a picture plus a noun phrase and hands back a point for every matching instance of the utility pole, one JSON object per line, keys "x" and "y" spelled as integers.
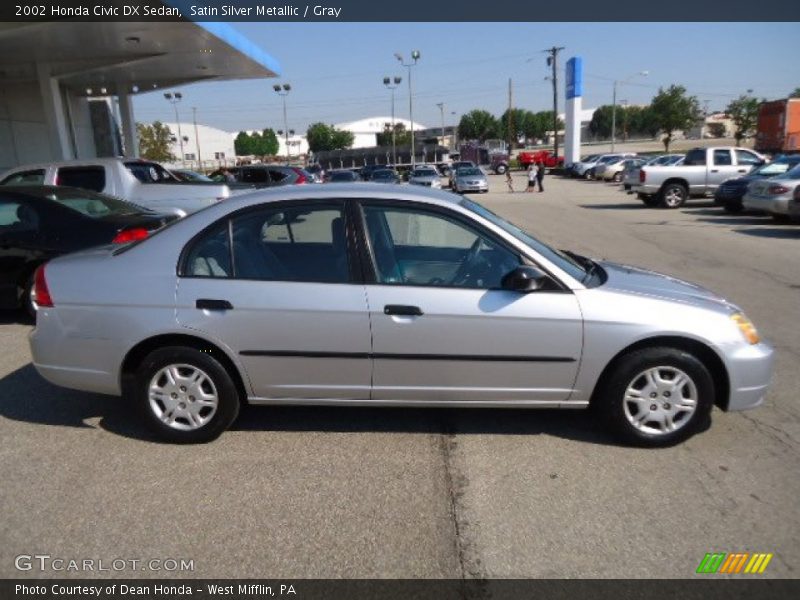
{"x": 197, "y": 138}
{"x": 552, "y": 61}
{"x": 510, "y": 119}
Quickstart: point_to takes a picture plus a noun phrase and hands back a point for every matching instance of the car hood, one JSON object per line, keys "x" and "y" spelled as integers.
{"x": 634, "y": 280}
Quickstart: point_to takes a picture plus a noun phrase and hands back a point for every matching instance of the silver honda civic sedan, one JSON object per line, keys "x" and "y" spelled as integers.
{"x": 383, "y": 296}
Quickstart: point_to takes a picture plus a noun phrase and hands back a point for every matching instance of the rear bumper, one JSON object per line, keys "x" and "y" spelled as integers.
{"x": 750, "y": 371}
{"x": 778, "y": 206}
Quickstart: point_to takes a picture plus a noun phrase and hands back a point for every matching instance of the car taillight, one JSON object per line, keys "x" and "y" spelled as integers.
{"x": 642, "y": 176}
{"x": 301, "y": 178}
{"x": 130, "y": 235}
{"x": 41, "y": 295}
{"x": 777, "y": 188}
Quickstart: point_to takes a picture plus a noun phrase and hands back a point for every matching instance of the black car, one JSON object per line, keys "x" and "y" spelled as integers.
{"x": 261, "y": 176}
{"x": 367, "y": 171}
{"x": 385, "y": 176}
{"x": 729, "y": 193}
{"x": 38, "y": 223}
{"x": 341, "y": 176}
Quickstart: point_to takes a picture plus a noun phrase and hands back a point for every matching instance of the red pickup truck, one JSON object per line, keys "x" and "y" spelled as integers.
{"x": 525, "y": 159}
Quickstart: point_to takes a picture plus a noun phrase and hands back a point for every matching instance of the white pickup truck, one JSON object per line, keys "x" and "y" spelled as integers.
{"x": 702, "y": 171}
{"x": 142, "y": 182}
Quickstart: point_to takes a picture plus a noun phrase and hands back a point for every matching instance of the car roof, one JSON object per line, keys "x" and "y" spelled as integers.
{"x": 79, "y": 162}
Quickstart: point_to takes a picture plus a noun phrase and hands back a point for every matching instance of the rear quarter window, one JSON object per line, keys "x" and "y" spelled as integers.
{"x": 33, "y": 177}
{"x": 88, "y": 178}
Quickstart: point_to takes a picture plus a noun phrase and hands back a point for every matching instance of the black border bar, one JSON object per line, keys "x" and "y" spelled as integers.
{"x": 701, "y": 588}
{"x": 677, "y": 11}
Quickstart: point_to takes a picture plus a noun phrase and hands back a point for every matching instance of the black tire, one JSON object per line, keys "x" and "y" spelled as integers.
{"x": 617, "y": 177}
{"x": 228, "y": 401}
{"x": 589, "y": 174}
{"x": 778, "y": 218}
{"x": 25, "y": 300}
{"x": 673, "y": 195}
{"x": 609, "y": 399}
{"x": 501, "y": 169}
{"x": 734, "y": 207}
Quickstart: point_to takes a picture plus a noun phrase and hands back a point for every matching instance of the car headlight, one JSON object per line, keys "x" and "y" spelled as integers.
{"x": 746, "y": 327}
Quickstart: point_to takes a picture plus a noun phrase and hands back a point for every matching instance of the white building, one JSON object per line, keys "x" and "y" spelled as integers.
{"x": 365, "y": 131}
{"x": 203, "y": 146}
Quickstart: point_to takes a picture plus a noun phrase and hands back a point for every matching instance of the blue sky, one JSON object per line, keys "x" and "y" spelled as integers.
{"x": 336, "y": 70}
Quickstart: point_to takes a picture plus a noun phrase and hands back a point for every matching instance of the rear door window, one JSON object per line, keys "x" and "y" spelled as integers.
{"x": 16, "y": 217}
{"x": 695, "y": 158}
{"x": 722, "y": 158}
{"x": 255, "y": 176}
{"x": 33, "y": 177}
{"x": 89, "y": 178}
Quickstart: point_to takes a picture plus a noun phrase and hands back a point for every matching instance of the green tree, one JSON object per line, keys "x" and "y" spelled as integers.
{"x": 155, "y": 142}
{"x": 521, "y": 124}
{"x": 402, "y": 136}
{"x": 646, "y": 122}
{"x": 542, "y": 122}
{"x": 744, "y": 114}
{"x": 322, "y": 137}
{"x": 717, "y": 130}
{"x": 795, "y": 93}
{"x": 600, "y": 125}
{"x": 478, "y": 125}
{"x": 243, "y": 145}
{"x": 673, "y": 110}
{"x": 269, "y": 143}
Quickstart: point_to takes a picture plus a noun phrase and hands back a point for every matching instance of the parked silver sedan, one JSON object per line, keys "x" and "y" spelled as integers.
{"x": 426, "y": 176}
{"x": 773, "y": 195}
{"x": 378, "y": 295}
{"x": 470, "y": 179}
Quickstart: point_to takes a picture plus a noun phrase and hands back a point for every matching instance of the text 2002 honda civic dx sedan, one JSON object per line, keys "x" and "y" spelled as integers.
{"x": 374, "y": 296}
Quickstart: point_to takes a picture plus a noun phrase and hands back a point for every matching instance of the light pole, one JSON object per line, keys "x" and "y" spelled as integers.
{"x": 283, "y": 91}
{"x": 197, "y": 138}
{"x": 415, "y": 56}
{"x": 173, "y": 98}
{"x": 391, "y": 83}
{"x": 614, "y": 105}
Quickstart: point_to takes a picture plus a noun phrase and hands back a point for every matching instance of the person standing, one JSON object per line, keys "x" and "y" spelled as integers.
{"x": 532, "y": 169}
{"x": 540, "y": 175}
{"x": 509, "y": 181}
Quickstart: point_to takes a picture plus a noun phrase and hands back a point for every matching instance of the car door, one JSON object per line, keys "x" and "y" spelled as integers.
{"x": 444, "y": 331}
{"x": 277, "y": 285}
{"x": 722, "y": 168}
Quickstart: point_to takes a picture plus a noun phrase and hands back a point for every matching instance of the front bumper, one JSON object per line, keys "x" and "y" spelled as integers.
{"x": 750, "y": 371}
{"x": 471, "y": 187}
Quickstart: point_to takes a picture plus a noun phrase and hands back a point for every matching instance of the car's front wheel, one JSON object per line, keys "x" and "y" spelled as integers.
{"x": 186, "y": 396}
{"x": 657, "y": 397}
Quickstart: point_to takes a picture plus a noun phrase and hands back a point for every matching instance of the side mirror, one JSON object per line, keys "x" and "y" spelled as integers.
{"x": 524, "y": 278}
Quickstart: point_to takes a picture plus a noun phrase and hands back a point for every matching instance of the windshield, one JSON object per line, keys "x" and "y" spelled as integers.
{"x": 150, "y": 172}
{"x": 566, "y": 263}
{"x": 468, "y": 171}
{"x": 793, "y": 173}
{"x": 192, "y": 176}
{"x": 93, "y": 205}
{"x": 423, "y": 173}
{"x": 383, "y": 175}
{"x": 776, "y": 168}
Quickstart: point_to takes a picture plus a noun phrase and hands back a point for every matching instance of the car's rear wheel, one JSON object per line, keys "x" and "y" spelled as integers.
{"x": 186, "y": 396}
{"x": 26, "y": 298}
{"x": 657, "y": 397}
{"x": 673, "y": 195}
{"x": 617, "y": 177}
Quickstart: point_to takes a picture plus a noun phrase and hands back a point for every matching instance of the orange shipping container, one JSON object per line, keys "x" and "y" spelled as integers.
{"x": 779, "y": 126}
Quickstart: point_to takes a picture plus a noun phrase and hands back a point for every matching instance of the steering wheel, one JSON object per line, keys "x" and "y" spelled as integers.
{"x": 463, "y": 272}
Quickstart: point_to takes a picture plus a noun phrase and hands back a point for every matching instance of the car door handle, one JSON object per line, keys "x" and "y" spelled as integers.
{"x": 715, "y": 170}
{"x": 742, "y": 170}
{"x": 211, "y": 304}
{"x": 401, "y": 309}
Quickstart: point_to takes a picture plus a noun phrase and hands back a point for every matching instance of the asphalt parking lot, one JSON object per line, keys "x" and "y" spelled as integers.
{"x": 429, "y": 493}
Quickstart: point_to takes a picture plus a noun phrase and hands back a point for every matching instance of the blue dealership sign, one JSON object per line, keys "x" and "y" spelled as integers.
{"x": 574, "y": 77}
